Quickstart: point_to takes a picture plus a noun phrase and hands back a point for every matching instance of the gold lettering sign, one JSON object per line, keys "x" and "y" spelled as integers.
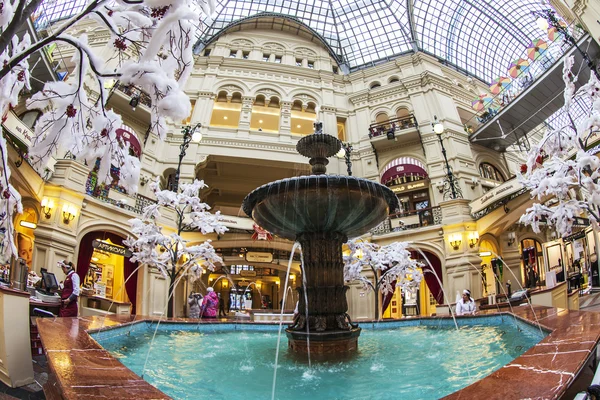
{"x": 111, "y": 248}
{"x": 255, "y": 256}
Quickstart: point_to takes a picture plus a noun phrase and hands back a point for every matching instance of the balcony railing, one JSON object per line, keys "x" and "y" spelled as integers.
{"x": 390, "y": 127}
{"x": 114, "y": 195}
{"x": 132, "y": 91}
{"x": 409, "y": 220}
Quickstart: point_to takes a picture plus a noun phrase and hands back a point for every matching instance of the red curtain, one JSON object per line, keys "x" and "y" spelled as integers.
{"x": 430, "y": 279}
{"x": 85, "y": 255}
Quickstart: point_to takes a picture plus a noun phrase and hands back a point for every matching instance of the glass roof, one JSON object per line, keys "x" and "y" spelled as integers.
{"x": 481, "y": 37}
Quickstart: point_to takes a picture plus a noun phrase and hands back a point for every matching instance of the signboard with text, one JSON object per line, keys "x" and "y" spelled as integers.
{"x": 111, "y": 248}
{"x": 255, "y": 256}
{"x": 498, "y": 193}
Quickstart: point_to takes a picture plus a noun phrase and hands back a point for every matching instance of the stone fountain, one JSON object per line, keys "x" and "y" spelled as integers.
{"x": 321, "y": 212}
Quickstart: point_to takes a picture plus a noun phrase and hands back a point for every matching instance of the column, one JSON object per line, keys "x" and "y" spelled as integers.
{"x": 329, "y": 120}
{"x": 245, "y": 116}
{"x": 285, "y": 122}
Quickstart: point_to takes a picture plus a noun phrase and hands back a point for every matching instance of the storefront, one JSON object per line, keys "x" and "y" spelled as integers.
{"x": 106, "y": 271}
{"x": 533, "y": 268}
{"x": 408, "y": 179}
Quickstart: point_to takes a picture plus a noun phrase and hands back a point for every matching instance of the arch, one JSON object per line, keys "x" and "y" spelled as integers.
{"x": 274, "y": 47}
{"x": 266, "y": 91}
{"x": 489, "y": 170}
{"x": 231, "y": 88}
{"x": 85, "y": 250}
{"x": 305, "y": 52}
{"x": 245, "y": 42}
{"x": 381, "y": 117}
{"x": 403, "y": 112}
{"x": 205, "y": 41}
{"x": 403, "y": 166}
{"x": 393, "y": 79}
{"x": 374, "y": 85}
{"x": 304, "y": 93}
{"x": 30, "y": 117}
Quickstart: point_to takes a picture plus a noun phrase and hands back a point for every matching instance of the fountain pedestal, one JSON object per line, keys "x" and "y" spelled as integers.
{"x": 330, "y": 327}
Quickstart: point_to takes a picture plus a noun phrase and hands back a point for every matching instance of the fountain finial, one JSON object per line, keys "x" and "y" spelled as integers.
{"x": 318, "y": 147}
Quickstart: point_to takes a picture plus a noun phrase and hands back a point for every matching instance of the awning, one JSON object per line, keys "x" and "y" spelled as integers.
{"x": 403, "y": 166}
{"x": 127, "y": 135}
{"x": 498, "y": 193}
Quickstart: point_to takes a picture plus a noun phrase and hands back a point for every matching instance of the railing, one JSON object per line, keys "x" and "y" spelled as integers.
{"x": 391, "y": 126}
{"x": 409, "y": 220}
{"x": 132, "y": 91}
{"x": 116, "y": 196}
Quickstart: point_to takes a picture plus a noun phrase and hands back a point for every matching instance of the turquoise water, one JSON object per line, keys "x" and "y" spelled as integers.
{"x": 410, "y": 362}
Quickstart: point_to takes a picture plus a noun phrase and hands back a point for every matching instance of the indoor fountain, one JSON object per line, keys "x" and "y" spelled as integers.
{"x": 321, "y": 212}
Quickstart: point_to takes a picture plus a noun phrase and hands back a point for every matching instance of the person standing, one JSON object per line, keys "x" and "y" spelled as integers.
{"x": 466, "y": 305}
{"x": 209, "y": 304}
{"x": 70, "y": 291}
{"x": 194, "y": 301}
{"x": 221, "y": 307}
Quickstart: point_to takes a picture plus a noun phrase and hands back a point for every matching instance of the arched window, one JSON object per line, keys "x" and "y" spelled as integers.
{"x": 488, "y": 171}
{"x": 402, "y": 112}
{"x": 381, "y": 117}
{"x": 303, "y": 117}
{"x": 375, "y": 85}
{"x": 30, "y": 118}
{"x": 265, "y": 114}
{"x": 227, "y": 110}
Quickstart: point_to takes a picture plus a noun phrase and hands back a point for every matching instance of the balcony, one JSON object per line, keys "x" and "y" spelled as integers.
{"x": 114, "y": 195}
{"x": 404, "y": 221}
{"x": 404, "y": 129}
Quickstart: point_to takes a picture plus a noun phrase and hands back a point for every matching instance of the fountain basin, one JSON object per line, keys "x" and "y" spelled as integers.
{"x": 324, "y": 345}
{"x": 320, "y": 203}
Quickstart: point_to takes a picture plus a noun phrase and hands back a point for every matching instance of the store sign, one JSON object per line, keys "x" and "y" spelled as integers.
{"x": 231, "y": 221}
{"x": 498, "y": 193}
{"x": 247, "y": 273}
{"x": 412, "y": 186}
{"x": 111, "y": 248}
{"x": 17, "y": 128}
{"x": 255, "y": 256}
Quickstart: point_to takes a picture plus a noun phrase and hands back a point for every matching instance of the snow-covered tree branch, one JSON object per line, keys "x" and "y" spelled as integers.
{"x": 564, "y": 167}
{"x": 151, "y": 42}
{"x": 391, "y": 266}
{"x": 170, "y": 253}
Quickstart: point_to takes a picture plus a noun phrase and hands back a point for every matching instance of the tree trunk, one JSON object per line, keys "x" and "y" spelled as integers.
{"x": 170, "y": 299}
{"x": 376, "y": 292}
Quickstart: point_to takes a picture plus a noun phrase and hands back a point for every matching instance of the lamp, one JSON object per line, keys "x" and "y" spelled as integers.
{"x": 455, "y": 239}
{"x": 190, "y": 133}
{"x": 69, "y": 213}
{"x": 224, "y": 284}
{"x": 47, "y": 206}
{"x": 258, "y": 285}
{"x": 440, "y": 186}
{"x": 474, "y": 182}
{"x": 512, "y": 237}
{"x": 473, "y": 238}
{"x": 542, "y": 23}
{"x": 27, "y": 224}
{"x": 292, "y": 276}
{"x": 345, "y": 150}
{"x": 449, "y": 188}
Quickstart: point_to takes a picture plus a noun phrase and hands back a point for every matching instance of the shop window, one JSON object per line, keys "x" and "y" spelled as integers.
{"x": 226, "y": 112}
{"x": 532, "y": 263}
{"x": 233, "y": 54}
{"x": 488, "y": 171}
{"x": 303, "y": 118}
{"x": 105, "y": 275}
{"x": 265, "y": 114}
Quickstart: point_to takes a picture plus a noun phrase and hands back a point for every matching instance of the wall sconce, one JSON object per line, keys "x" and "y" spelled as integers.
{"x": 259, "y": 286}
{"x": 69, "y": 213}
{"x": 224, "y": 284}
{"x": 277, "y": 283}
{"x": 455, "y": 239}
{"x": 440, "y": 186}
{"x": 47, "y": 206}
{"x": 512, "y": 237}
{"x": 143, "y": 180}
{"x": 473, "y": 239}
{"x": 474, "y": 182}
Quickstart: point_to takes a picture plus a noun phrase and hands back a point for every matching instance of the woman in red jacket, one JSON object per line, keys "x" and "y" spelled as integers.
{"x": 210, "y": 304}
{"x": 70, "y": 291}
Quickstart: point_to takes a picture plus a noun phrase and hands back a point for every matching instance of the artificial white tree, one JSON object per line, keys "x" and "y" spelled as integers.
{"x": 391, "y": 266}
{"x": 563, "y": 166}
{"x": 170, "y": 253}
{"x": 151, "y": 41}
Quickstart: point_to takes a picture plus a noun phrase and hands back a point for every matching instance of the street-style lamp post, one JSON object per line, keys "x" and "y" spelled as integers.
{"x": 345, "y": 152}
{"x": 451, "y": 188}
{"x": 190, "y": 134}
{"x": 548, "y": 17}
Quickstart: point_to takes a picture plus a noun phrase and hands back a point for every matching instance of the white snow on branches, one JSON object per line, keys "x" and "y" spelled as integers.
{"x": 170, "y": 253}
{"x": 563, "y": 167}
{"x": 392, "y": 262}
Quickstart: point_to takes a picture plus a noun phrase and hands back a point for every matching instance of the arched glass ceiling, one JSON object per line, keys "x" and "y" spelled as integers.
{"x": 481, "y": 37}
